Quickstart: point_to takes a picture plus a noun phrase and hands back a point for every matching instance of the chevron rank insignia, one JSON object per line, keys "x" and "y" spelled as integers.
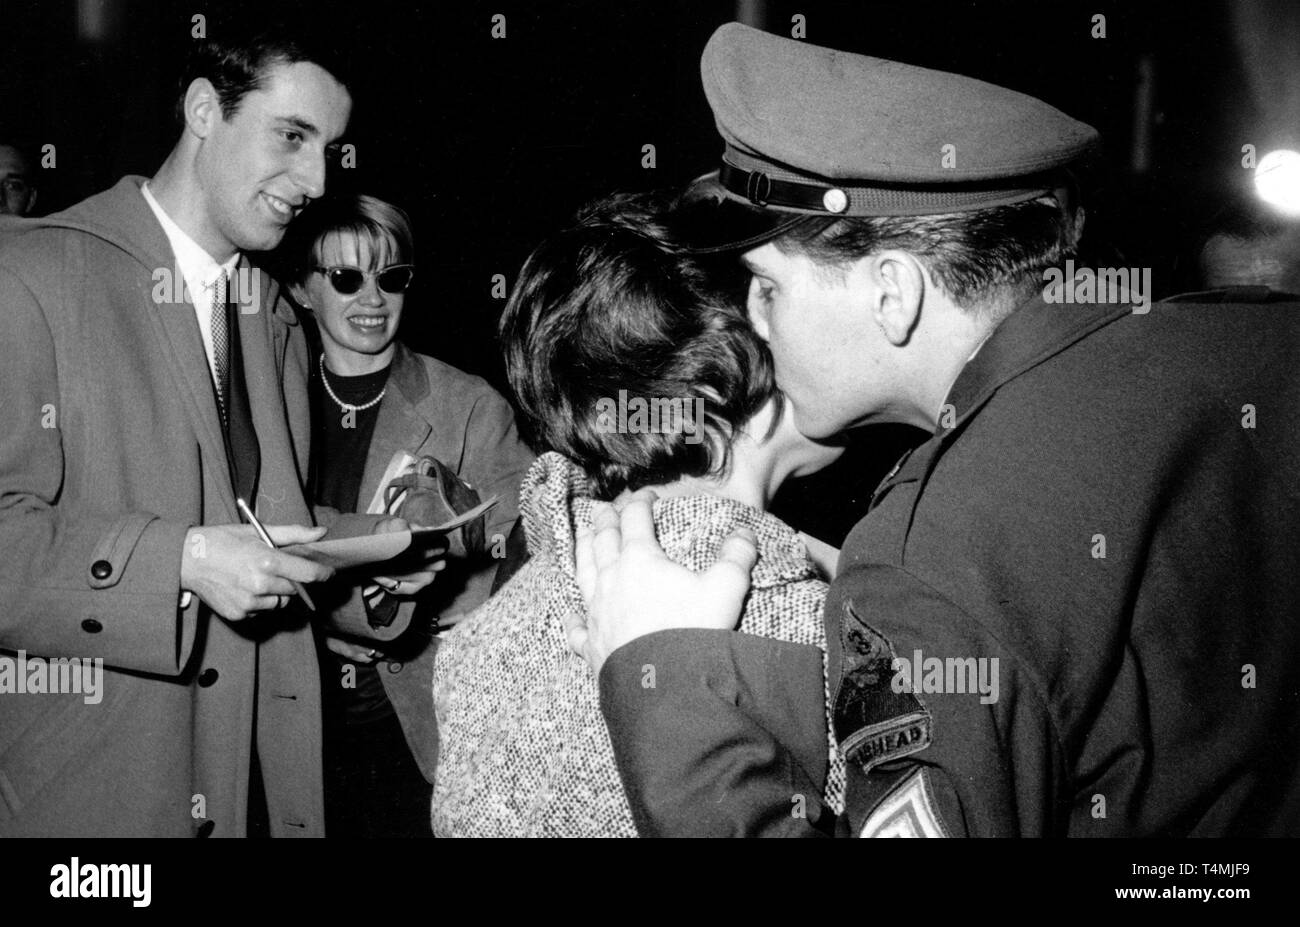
{"x": 907, "y": 811}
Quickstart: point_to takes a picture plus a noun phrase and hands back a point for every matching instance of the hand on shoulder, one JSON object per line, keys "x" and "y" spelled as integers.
{"x": 631, "y": 588}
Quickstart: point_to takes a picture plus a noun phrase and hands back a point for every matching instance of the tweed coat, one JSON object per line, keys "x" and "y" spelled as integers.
{"x": 523, "y": 750}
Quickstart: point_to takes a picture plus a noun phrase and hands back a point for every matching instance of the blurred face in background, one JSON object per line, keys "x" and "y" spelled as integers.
{"x": 358, "y": 328}
{"x": 17, "y": 191}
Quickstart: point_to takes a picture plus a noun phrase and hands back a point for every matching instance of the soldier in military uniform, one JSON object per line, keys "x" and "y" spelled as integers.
{"x": 1072, "y": 611}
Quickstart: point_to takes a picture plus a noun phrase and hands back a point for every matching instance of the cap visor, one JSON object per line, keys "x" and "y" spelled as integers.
{"x": 709, "y": 220}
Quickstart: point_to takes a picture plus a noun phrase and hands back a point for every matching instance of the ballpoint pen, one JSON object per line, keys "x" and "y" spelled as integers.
{"x": 266, "y": 539}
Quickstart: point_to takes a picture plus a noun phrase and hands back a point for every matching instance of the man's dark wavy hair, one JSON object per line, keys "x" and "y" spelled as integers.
{"x": 612, "y": 304}
{"x": 239, "y": 53}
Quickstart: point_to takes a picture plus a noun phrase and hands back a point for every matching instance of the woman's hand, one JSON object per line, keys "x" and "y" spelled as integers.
{"x": 428, "y": 562}
{"x": 350, "y": 651}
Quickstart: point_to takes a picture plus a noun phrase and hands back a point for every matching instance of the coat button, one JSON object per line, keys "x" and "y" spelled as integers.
{"x": 394, "y": 666}
{"x": 206, "y": 829}
{"x": 208, "y": 677}
{"x": 91, "y": 626}
{"x": 101, "y": 569}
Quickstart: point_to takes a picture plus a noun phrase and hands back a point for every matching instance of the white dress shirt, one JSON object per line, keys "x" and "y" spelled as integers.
{"x": 200, "y": 270}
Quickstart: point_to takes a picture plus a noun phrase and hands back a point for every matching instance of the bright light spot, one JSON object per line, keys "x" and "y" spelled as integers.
{"x": 1277, "y": 180}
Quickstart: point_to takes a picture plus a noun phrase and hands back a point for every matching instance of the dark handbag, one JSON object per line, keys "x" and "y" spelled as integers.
{"x": 435, "y": 495}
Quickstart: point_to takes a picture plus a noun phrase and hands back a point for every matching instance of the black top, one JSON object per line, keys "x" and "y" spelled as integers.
{"x": 343, "y": 437}
{"x": 339, "y": 448}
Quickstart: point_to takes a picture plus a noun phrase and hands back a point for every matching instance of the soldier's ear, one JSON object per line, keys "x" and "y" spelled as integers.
{"x": 1080, "y": 216}
{"x": 897, "y": 283}
{"x": 756, "y": 307}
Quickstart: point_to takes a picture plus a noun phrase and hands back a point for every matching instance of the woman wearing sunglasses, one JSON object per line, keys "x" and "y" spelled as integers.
{"x": 351, "y": 260}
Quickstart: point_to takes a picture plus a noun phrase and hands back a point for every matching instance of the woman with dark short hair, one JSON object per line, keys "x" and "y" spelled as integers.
{"x": 352, "y": 264}
{"x": 633, "y": 368}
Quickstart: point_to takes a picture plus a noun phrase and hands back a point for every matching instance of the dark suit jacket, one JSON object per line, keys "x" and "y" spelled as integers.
{"x": 1113, "y": 515}
{"x": 432, "y": 408}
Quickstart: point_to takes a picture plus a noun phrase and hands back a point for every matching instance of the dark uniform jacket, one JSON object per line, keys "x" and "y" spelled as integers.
{"x": 1110, "y": 510}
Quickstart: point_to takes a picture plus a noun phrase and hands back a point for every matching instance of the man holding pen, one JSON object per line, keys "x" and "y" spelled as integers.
{"x": 134, "y": 417}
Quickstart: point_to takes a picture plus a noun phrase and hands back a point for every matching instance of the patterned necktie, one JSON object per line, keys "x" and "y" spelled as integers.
{"x": 220, "y": 344}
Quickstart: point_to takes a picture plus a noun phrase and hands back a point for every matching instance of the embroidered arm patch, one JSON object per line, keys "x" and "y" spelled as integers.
{"x": 874, "y": 723}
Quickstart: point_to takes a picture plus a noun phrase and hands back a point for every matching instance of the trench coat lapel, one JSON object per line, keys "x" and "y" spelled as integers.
{"x": 264, "y": 346}
{"x": 177, "y": 327}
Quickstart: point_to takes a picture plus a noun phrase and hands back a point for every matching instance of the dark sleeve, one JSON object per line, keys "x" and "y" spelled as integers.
{"x": 718, "y": 733}
{"x": 495, "y": 461}
{"x": 977, "y": 753}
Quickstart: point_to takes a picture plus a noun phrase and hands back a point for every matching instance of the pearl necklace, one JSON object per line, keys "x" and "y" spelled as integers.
{"x": 347, "y": 406}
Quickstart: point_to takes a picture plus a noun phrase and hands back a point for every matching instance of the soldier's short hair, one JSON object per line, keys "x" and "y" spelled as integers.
{"x": 976, "y": 257}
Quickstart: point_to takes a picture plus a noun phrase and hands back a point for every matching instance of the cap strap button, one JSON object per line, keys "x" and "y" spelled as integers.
{"x": 835, "y": 200}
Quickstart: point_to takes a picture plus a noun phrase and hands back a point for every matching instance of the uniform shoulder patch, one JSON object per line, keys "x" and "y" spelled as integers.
{"x": 908, "y": 810}
{"x": 874, "y": 723}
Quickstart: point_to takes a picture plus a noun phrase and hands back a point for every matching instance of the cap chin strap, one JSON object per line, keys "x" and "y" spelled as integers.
{"x": 762, "y": 190}
{"x": 764, "y": 186}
